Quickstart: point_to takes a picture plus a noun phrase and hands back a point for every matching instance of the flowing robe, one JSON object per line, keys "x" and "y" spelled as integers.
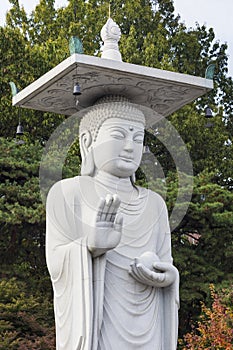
{"x": 98, "y": 305}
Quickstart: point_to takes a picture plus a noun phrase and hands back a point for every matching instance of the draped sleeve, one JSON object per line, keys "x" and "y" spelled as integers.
{"x": 70, "y": 266}
{"x": 170, "y": 293}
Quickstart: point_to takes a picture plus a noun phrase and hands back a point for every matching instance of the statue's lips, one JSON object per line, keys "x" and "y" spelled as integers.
{"x": 127, "y": 159}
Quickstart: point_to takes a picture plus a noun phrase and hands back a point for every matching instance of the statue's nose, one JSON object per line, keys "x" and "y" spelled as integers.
{"x": 128, "y": 145}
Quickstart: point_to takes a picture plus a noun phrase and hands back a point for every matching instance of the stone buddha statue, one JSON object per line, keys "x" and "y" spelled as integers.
{"x": 108, "y": 243}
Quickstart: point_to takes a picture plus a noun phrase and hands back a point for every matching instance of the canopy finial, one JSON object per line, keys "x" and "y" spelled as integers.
{"x": 110, "y": 34}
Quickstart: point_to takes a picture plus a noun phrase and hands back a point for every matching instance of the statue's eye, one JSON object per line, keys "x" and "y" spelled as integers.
{"x": 117, "y": 134}
{"x": 138, "y": 139}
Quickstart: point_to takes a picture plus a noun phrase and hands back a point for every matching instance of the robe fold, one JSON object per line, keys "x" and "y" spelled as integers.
{"x": 97, "y": 304}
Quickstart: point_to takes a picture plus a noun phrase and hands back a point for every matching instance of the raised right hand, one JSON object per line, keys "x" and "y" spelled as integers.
{"x": 106, "y": 233}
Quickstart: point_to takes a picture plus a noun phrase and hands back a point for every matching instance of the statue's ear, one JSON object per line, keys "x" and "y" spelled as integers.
{"x": 85, "y": 142}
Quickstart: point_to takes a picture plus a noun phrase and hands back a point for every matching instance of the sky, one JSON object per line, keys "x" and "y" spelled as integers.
{"x": 212, "y": 13}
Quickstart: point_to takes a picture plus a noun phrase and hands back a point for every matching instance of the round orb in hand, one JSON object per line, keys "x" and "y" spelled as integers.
{"x": 148, "y": 259}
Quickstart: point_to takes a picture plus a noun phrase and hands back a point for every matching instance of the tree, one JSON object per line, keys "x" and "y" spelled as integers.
{"x": 26, "y": 319}
{"x": 214, "y": 329}
{"x": 208, "y": 260}
{"x": 210, "y": 148}
{"x": 25, "y": 290}
{"x": 22, "y": 214}
{"x": 22, "y": 64}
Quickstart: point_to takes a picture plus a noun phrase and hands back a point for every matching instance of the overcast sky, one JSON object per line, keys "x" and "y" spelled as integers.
{"x": 213, "y": 13}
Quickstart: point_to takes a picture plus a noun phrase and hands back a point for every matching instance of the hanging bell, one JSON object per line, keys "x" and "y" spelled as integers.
{"x": 19, "y": 130}
{"x": 146, "y": 156}
{"x": 146, "y": 149}
{"x": 208, "y": 112}
{"x": 76, "y": 90}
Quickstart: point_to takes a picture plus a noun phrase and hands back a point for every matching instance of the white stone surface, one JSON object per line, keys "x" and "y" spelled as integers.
{"x": 110, "y": 35}
{"x": 163, "y": 91}
{"x": 108, "y": 246}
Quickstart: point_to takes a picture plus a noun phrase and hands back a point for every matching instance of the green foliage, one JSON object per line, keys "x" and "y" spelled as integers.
{"x": 208, "y": 260}
{"x": 22, "y": 214}
{"x": 26, "y": 320}
{"x": 210, "y": 148}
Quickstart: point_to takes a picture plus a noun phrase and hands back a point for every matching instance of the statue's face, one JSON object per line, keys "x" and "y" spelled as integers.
{"x": 118, "y": 147}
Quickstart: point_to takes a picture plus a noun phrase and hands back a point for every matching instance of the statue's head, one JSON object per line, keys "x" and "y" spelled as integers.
{"x": 111, "y": 138}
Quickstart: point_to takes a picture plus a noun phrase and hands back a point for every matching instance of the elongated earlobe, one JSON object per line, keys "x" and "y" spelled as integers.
{"x": 88, "y": 165}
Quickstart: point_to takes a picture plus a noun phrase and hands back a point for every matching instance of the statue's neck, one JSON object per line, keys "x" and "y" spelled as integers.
{"x": 114, "y": 183}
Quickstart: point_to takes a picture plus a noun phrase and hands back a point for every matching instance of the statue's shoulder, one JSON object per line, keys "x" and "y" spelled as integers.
{"x": 65, "y": 188}
{"x": 63, "y": 185}
{"x": 70, "y": 186}
{"x": 153, "y": 197}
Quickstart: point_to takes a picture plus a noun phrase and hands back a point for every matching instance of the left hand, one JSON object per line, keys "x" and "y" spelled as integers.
{"x": 162, "y": 275}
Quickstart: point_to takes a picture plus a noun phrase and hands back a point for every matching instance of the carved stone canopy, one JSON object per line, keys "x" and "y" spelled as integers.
{"x": 163, "y": 91}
